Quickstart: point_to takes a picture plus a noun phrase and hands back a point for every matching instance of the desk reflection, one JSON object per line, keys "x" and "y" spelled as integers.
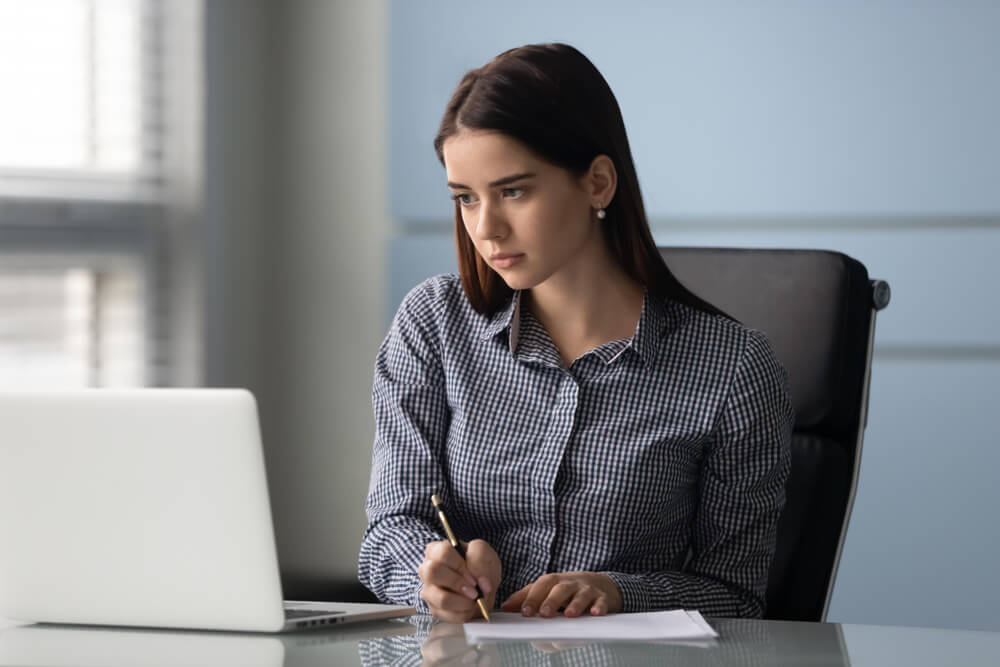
{"x": 412, "y": 641}
{"x": 418, "y": 641}
{"x": 76, "y": 646}
{"x": 740, "y": 642}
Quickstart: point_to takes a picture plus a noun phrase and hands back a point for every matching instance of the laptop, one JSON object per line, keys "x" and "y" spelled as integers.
{"x": 144, "y": 508}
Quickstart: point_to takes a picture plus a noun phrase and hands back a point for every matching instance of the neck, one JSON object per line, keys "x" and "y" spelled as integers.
{"x": 587, "y": 305}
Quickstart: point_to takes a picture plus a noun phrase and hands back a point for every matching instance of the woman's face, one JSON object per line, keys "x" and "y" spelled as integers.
{"x": 528, "y": 219}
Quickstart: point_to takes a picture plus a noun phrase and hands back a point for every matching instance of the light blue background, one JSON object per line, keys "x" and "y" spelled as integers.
{"x": 865, "y": 127}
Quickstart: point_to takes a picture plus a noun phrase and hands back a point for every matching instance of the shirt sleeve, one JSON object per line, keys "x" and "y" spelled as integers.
{"x": 742, "y": 493}
{"x": 411, "y": 423}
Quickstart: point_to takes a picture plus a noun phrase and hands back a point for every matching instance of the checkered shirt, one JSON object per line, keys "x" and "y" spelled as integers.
{"x": 659, "y": 460}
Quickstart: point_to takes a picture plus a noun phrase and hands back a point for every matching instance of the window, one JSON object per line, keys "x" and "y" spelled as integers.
{"x": 76, "y": 325}
{"x": 81, "y": 204}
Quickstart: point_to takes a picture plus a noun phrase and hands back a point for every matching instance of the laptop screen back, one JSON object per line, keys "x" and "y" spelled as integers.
{"x": 136, "y": 507}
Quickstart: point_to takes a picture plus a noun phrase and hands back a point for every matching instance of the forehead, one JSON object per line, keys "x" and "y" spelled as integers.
{"x": 475, "y": 157}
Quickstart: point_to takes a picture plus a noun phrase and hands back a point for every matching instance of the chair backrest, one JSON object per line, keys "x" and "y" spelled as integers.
{"x": 818, "y": 309}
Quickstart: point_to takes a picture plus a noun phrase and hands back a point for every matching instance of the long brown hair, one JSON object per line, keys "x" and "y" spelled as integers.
{"x": 552, "y": 99}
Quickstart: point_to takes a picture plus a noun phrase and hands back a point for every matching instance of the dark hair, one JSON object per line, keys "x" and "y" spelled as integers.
{"x": 553, "y": 100}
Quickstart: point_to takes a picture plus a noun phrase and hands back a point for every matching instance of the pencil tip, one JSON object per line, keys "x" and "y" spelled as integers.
{"x": 435, "y": 500}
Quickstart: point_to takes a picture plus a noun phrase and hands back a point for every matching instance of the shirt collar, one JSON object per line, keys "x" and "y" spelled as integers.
{"x": 506, "y": 318}
{"x": 650, "y": 329}
{"x": 645, "y": 342}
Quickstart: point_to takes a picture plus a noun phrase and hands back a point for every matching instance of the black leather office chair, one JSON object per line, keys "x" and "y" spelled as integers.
{"x": 818, "y": 309}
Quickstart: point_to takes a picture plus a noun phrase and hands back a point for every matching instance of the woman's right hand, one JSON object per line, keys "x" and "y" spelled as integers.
{"x": 450, "y": 583}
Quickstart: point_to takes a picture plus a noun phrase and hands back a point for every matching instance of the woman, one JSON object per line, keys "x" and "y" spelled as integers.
{"x": 612, "y": 442}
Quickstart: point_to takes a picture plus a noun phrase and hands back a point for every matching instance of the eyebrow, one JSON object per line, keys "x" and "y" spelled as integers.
{"x": 506, "y": 180}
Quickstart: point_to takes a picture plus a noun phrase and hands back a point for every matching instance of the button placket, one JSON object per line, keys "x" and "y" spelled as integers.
{"x": 548, "y": 462}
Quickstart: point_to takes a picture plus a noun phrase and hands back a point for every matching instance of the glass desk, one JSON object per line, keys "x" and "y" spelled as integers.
{"x": 417, "y": 642}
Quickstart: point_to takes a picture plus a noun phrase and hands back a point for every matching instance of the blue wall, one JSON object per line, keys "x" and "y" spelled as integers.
{"x": 865, "y": 127}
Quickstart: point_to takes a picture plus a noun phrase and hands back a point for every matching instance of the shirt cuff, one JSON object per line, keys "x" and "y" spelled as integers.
{"x": 418, "y": 602}
{"x": 635, "y": 594}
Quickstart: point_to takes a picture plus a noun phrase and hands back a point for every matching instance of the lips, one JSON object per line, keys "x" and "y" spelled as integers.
{"x": 504, "y": 260}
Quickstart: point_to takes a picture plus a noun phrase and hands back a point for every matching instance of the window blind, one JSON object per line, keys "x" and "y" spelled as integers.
{"x": 81, "y": 192}
{"x": 82, "y": 98}
{"x": 70, "y": 322}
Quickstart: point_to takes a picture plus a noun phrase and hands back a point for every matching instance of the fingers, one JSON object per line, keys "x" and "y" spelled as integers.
{"x": 529, "y": 599}
{"x": 549, "y": 602}
{"x": 434, "y": 573}
{"x": 576, "y": 593}
{"x": 448, "y": 606}
{"x": 515, "y": 601}
{"x": 443, "y": 567}
{"x": 484, "y": 564}
{"x": 442, "y": 552}
{"x": 539, "y": 593}
{"x": 582, "y": 602}
{"x": 449, "y": 589}
{"x": 599, "y": 608}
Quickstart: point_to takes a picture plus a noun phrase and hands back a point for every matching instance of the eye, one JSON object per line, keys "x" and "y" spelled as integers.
{"x": 512, "y": 193}
{"x": 464, "y": 198}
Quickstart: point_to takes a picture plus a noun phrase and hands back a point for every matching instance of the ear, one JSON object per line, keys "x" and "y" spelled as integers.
{"x": 601, "y": 181}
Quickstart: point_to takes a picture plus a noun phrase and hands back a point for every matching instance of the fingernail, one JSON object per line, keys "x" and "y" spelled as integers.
{"x": 546, "y": 610}
{"x": 484, "y": 585}
{"x": 526, "y": 610}
{"x": 470, "y": 580}
{"x": 470, "y": 592}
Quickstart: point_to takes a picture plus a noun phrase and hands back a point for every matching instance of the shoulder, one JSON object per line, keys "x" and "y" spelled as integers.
{"x": 739, "y": 365}
{"x": 729, "y": 341}
{"x": 433, "y": 293}
{"x": 438, "y": 303}
{"x": 432, "y": 297}
{"x": 712, "y": 330}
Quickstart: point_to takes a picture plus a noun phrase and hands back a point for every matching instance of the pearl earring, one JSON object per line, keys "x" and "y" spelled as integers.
{"x": 601, "y": 214}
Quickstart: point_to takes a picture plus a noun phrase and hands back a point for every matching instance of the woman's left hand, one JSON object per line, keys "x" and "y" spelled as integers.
{"x": 575, "y": 592}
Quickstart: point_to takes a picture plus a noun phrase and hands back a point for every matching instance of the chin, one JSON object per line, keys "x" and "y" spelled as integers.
{"x": 517, "y": 282}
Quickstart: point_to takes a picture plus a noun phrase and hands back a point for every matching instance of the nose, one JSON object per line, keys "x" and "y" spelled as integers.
{"x": 490, "y": 224}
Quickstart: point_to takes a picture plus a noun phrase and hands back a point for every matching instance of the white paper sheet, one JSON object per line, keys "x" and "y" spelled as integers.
{"x": 675, "y": 625}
